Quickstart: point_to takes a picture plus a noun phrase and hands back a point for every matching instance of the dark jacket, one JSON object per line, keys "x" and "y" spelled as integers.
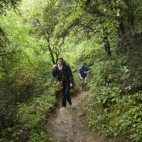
{"x": 68, "y": 76}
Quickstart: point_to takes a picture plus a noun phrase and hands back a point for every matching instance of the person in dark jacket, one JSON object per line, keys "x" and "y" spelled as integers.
{"x": 63, "y": 72}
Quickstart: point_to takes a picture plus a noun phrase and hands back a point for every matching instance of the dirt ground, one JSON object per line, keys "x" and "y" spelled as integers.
{"x": 69, "y": 124}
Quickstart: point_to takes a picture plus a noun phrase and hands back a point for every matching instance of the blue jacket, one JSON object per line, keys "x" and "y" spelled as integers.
{"x": 83, "y": 71}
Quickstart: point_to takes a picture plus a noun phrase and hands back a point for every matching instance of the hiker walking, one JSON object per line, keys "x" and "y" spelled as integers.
{"x": 82, "y": 71}
{"x": 64, "y": 74}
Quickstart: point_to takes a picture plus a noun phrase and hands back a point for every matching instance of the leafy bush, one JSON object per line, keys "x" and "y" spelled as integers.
{"x": 31, "y": 120}
{"x": 114, "y": 104}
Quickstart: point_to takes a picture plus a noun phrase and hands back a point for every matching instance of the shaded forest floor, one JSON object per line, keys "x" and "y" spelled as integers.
{"x": 69, "y": 124}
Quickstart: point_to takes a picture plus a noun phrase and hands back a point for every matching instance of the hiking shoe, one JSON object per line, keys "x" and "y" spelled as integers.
{"x": 70, "y": 103}
{"x": 62, "y": 107}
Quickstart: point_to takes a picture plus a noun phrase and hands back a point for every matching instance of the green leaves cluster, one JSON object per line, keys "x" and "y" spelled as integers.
{"x": 114, "y": 103}
{"x": 31, "y": 120}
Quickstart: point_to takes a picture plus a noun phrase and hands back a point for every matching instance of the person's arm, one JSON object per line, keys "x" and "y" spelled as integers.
{"x": 79, "y": 73}
{"x": 86, "y": 70}
{"x": 54, "y": 71}
{"x": 71, "y": 79}
{"x": 80, "y": 76}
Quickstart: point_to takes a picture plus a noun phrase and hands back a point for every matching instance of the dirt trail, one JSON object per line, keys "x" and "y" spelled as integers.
{"x": 69, "y": 124}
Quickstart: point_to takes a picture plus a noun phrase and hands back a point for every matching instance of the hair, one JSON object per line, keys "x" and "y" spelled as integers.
{"x": 60, "y": 58}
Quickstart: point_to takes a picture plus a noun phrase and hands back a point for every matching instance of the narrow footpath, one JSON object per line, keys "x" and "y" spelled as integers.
{"x": 69, "y": 124}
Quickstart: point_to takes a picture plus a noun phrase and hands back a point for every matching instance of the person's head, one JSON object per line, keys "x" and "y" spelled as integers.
{"x": 60, "y": 61}
{"x": 82, "y": 65}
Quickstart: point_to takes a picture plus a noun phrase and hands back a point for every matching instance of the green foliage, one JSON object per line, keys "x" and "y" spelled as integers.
{"x": 38, "y": 136}
{"x": 32, "y": 39}
{"x": 31, "y": 119}
{"x": 114, "y": 105}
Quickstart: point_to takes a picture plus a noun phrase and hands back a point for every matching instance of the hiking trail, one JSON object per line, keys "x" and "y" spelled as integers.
{"x": 69, "y": 124}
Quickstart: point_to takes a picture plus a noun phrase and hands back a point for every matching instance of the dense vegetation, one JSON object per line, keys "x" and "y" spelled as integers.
{"x": 105, "y": 34}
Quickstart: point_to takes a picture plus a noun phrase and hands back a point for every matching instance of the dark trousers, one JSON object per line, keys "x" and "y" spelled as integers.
{"x": 65, "y": 94}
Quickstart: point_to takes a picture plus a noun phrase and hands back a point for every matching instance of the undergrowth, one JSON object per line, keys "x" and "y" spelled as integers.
{"x": 31, "y": 120}
{"x": 114, "y": 105}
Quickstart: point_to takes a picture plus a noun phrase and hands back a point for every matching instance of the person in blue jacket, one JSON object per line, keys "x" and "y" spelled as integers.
{"x": 82, "y": 71}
